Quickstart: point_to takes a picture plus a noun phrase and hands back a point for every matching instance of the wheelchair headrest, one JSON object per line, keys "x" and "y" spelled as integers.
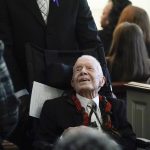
{"x": 59, "y": 75}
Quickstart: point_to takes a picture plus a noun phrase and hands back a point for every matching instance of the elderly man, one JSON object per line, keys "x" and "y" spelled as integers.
{"x": 85, "y": 107}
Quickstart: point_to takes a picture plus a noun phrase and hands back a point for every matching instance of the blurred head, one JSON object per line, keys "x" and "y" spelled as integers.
{"x": 87, "y": 76}
{"x": 138, "y": 16}
{"x": 105, "y": 15}
{"x": 86, "y": 138}
{"x": 112, "y": 11}
{"x": 128, "y": 52}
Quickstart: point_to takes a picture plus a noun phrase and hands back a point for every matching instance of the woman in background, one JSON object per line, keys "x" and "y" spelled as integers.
{"x": 139, "y": 16}
{"x": 128, "y": 58}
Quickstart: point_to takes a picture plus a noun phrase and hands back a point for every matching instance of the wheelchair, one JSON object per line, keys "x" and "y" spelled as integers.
{"x": 54, "y": 68}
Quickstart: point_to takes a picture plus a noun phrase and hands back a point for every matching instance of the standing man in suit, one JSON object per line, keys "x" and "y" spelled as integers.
{"x": 85, "y": 107}
{"x": 67, "y": 25}
{"x": 60, "y": 25}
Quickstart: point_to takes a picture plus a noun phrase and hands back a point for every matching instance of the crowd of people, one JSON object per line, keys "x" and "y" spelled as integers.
{"x": 67, "y": 122}
{"x": 109, "y": 20}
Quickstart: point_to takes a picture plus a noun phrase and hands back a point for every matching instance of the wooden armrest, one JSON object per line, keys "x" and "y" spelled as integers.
{"x": 143, "y": 139}
{"x": 143, "y": 143}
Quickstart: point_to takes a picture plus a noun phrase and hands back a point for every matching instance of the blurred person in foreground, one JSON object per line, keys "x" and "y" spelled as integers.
{"x": 84, "y": 106}
{"x": 8, "y": 102}
{"x": 85, "y": 138}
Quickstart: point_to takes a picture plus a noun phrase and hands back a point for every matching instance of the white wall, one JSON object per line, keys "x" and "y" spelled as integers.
{"x": 98, "y": 5}
{"x": 142, "y": 3}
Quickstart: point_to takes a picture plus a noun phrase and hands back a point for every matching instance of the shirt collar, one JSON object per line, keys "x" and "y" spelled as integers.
{"x": 84, "y": 101}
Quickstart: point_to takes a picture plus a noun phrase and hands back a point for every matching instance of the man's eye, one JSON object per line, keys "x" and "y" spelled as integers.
{"x": 90, "y": 68}
{"x": 78, "y": 69}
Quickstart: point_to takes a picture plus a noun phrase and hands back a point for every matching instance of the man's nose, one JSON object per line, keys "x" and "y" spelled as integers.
{"x": 84, "y": 70}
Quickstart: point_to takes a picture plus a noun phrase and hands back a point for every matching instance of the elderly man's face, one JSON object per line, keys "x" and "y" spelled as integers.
{"x": 87, "y": 76}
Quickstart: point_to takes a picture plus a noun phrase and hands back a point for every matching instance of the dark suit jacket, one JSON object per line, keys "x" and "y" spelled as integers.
{"x": 60, "y": 113}
{"x": 106, "y": 37}
{"x": 70, "y": 26}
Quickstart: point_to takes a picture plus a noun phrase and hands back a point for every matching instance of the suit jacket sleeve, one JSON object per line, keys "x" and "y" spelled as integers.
{"x": 6, "y": 36}
{"x": 87, "y": 36}
{"x": 46, "y": 130}
{"x": 86, "y": 28}
{"x": 125, "y": 135}
{"x": 56, "y": 116}
{"x": 87, "y": 33}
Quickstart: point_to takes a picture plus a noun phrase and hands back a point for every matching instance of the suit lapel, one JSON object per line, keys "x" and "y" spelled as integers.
{"x": 34, "y": 9}
{"x": 78, "y": 118}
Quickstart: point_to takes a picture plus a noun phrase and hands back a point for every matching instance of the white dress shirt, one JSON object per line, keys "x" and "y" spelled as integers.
{"x": 85, "y": 102}
{"x": 44, "y": 8}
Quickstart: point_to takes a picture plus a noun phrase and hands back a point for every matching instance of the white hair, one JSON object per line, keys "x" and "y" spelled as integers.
{"x": 99, "y": 68}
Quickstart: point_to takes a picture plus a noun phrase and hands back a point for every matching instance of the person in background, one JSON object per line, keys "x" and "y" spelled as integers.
{"x": 84, "y": 106}
{"x": 85, "y": 138}
{"x": 9, "y": 104}
{"x": 50, "y": 25}
{"x": 139, "y": 16}
{"x": 109, "y": 19}
{"x": 128, "y": 58}
{"x": 104, "y": 21}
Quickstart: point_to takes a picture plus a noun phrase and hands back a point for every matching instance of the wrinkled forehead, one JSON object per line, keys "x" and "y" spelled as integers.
{"x": 88, "y": 61}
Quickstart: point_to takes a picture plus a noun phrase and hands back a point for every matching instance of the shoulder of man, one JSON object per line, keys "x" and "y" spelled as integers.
{"x": 117, "y": 104}
{"x": 58, "y": 100}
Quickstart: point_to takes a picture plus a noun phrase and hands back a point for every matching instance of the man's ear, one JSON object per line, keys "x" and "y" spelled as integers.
{"x": 102, "y": 81}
